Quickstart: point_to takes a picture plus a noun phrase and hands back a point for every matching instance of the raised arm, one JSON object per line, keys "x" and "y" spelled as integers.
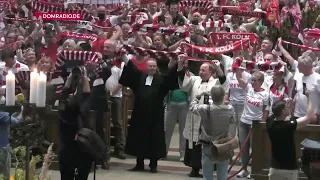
{"x": 186, "y": 81}
{"x": 286, "y": 54}
{"x": 171, "y": 80}
{"x": 131, "y": 75}
{"x": 241, "y": 81}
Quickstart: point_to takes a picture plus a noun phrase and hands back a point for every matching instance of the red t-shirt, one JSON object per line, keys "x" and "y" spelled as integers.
{"x": 97, "y": 46}
{"x": 50, "y": 52}
{"x": 141, "y": 65}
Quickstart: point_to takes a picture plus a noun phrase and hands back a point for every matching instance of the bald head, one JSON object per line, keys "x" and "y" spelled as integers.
{"x": 109, "y": 42}
{"x": 101, "y": 13}
{"x": 206, "y": 71}
{"x": 109, "y": 47}
{"x": 101, "y": 9}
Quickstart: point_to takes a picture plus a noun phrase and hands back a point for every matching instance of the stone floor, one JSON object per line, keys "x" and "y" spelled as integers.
{"x": 169, "y": 169}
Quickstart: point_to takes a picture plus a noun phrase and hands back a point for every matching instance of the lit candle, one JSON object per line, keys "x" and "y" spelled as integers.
{"x": 10, "y": 89}
{"x": 34, "y": 76}
{"x": 41, "y": 90}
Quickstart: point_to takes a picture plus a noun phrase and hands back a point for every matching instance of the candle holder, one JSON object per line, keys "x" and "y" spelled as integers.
{"x": 31, "y": 129}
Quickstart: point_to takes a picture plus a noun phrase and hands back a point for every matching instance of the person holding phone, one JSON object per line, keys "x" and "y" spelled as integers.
{"x": 281, "y": 134}
{"x": 306, "y": 80}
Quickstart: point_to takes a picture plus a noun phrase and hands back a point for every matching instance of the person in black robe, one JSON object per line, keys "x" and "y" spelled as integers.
{"x": 146, "y": 138}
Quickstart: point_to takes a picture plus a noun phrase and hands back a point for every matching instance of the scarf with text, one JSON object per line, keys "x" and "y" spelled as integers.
{"x": 304, "y": 47}
{"x": 81, "y": 24}
{"x": 237, "y": 12}
{"x": 68, "y": 34}
{"x": 157, "y": 29}
{"x": 253, "y": 65}
{"x": 236, "y": 46}
{"x": 223, "y": 37}
{"x": 90, "y": 25}
{"x": 180, "y": 31}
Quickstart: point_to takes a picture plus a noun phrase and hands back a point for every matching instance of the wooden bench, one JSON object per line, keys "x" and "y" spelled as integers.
{"x": 128, "y": 100}
{"x": 261, "y": 148}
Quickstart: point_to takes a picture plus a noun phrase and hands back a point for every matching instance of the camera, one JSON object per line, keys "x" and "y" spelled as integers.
{"x": 77, "y": 73}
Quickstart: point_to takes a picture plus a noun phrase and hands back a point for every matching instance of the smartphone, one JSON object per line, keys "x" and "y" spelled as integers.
{"x": 304, "y": 88}
{"x": 205, "y": 99}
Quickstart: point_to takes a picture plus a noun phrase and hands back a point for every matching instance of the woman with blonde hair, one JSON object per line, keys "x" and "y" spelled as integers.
{"x": 69, "y": 44}
{"x": 46, "y": 65}
{"x": 255, "y": 109}
{"x": 216, "y": 118}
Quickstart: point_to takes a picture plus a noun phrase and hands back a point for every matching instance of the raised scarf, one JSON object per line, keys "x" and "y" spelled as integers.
{"x": 223, "y": 37}
{"x": 252, "y": 65}
{"x": 84, "y": 56}
{"x": 68, "y": 34}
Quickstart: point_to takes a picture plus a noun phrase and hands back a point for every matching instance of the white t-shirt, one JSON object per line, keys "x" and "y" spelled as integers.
{"x": 313, "y": 86}
{"x": 113, "y": 80}
{"x": 254, "y": 105}
{"x": 227, "y": 62}
{"x": 301, "y": 101}
{"x": 237, "y": 94}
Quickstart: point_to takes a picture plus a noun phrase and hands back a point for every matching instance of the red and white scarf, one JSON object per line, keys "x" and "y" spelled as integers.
{"x": 236, "y": 46}
{"x": 304, "y": 47}
{"x": 68, "y": 34}
{"x": 282, "y": 93}
{"x": 84, "y": 56}
{"x": 312, "y": 34}
{"x": 223, "y": 37}
{"x": 252, "y": 65}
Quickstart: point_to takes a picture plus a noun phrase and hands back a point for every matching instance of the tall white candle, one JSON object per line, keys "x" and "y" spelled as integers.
{"x": 41, "y": 90}
{"x": 10, "y": 89}
{"x": 34, "y": 76}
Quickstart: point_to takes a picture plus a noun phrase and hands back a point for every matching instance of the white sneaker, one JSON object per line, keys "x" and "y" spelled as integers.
{"x": 181, "y": 159}
{"x": 249, "y": 176}
{"x": 243, "y": 173}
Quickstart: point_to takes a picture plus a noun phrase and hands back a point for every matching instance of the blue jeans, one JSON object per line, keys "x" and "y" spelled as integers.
{"x": 208, "y": 165}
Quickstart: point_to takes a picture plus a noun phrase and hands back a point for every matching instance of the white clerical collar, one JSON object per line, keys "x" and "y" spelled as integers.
{"x": 149, "y": 81}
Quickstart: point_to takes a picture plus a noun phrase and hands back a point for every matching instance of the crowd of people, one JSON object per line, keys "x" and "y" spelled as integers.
{"x": 213, "y": 67}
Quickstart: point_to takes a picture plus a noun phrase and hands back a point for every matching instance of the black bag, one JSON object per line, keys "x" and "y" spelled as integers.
{"x": 91, "y": 143}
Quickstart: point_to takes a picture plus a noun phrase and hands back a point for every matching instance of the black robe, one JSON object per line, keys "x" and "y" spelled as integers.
{"x": 146, "y": 136}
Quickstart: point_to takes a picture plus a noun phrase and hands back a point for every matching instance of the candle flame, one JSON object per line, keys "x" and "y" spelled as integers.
{"x": 10, "y": 72}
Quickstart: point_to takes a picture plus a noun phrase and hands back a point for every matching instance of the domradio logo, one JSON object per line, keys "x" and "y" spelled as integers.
{"x": 58, "y": 16}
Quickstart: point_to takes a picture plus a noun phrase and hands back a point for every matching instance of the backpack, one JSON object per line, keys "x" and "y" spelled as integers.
{"x": 90, "y": 142}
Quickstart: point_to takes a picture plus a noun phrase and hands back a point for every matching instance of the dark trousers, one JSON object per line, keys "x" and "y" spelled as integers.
{"x": 74, "y": 164}
{"x": 153, "y": 162}
{"x": 116, "y": 116}
{"x": 99, "y": 103}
